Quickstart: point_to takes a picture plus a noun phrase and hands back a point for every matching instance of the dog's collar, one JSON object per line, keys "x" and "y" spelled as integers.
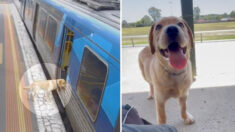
{"x": 173, "y": 73}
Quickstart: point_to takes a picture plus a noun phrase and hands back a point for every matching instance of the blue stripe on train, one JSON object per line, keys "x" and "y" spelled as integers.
{"x": 81, "y": 21}
{"x": 100, "y": 125}
{"x": 110, "y": 98}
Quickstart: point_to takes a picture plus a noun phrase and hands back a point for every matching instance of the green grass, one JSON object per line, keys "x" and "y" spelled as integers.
{"x": 198, "y": 27}
{"x": 214, "y": 26}
{"x": 135, "y": 31}
{"x": 214, "y": 37}
{"x": 136, "y": 41}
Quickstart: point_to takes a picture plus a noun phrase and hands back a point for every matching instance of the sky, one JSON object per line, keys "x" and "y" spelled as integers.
{"x": 134, "y": 10}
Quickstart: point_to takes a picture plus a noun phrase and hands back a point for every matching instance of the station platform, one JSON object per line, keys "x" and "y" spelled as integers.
{"x": 211, "y": 96}
{"x": 19, "y": 67}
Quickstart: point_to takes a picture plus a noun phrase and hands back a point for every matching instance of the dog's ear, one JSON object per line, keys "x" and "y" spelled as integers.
{"x": 151, "y": 39}
{"x": 190, "y": 34}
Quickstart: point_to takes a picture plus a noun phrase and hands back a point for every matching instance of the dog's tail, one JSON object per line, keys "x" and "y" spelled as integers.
{"x": 141, "y": 66}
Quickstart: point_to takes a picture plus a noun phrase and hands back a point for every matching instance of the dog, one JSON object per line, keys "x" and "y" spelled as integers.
{"x": 165, "y": 65}
{"x": 47, "y": 86}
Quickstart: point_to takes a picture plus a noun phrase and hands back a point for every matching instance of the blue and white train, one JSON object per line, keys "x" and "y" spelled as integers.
{"x": 84, "y": 44}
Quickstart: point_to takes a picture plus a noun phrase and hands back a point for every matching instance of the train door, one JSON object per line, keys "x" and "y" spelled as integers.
{"x": 65, "y": 53}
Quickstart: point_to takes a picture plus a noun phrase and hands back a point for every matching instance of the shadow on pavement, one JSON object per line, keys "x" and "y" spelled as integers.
{"x": 212, "y": 107}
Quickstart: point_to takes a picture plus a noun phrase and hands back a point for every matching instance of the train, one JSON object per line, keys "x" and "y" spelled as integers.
{"x": 84, "y": 45}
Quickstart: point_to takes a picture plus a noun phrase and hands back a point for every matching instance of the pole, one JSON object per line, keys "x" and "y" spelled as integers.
{"x": 187, "y": 14}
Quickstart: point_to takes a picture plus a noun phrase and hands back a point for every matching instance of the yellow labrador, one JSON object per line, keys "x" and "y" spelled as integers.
{"x": 47, "y": 86}
{"x": 165, "y": 65}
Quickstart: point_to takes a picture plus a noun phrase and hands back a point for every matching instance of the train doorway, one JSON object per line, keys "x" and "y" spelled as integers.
{"x": 65, "y": 53}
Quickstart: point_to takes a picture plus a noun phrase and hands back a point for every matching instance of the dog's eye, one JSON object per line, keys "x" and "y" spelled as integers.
{"x": 158, "y": 27}
{"x": 180, "y": 24}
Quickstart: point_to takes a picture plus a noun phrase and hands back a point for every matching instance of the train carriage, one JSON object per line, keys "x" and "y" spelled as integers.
{"x": 84, "y": 44}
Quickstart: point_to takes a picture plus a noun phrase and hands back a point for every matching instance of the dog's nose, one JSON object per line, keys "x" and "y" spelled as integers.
{"x": 172, "y": 32}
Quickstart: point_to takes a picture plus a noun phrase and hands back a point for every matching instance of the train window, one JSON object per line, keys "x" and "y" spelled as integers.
{"x": 29, "y": 9}
{"x": 51, "y": 32}
{"x": 42, "y": 23}
{"x": 91, "y": 82}
{"x": 27, "y": 12}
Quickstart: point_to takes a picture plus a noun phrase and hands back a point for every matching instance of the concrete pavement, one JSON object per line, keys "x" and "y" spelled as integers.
{"x": 211, "y": 98}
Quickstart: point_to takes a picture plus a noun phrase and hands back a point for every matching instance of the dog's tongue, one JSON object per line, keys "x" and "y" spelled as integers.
{"x": 177, "y": 59}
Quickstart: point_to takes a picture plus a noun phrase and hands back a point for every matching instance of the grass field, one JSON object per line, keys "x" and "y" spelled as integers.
{"x": 197, "y": 27}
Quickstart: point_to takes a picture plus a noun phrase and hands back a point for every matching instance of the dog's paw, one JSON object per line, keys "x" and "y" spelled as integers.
{"x": 189, "y": 120}
{"x": 150, "y": 97}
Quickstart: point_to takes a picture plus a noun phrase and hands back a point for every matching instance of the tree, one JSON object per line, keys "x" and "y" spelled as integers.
{"x": 196, "y": 13}
{"x": 139, "y": 24}
{"x": 132, "y": 24}
{"x": 232, "y": 14}
{"x": 225, "y": 15}
{"x": 154, "y": 13}
{"x": 145, "y": 21}
{"x": 124, "y": 23}
{"x": 218, "y": 17}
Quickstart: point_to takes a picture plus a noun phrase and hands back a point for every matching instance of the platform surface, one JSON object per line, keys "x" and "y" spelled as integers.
{"x": 19, "y": 66}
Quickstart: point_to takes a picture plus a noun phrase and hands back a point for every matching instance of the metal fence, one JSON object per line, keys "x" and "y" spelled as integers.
{"x": 200, "y": 36}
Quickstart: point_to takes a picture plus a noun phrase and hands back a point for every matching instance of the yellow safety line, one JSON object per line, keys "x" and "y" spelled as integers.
{"x": 1, "y": 54}
{"x": 18, "y": 86}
